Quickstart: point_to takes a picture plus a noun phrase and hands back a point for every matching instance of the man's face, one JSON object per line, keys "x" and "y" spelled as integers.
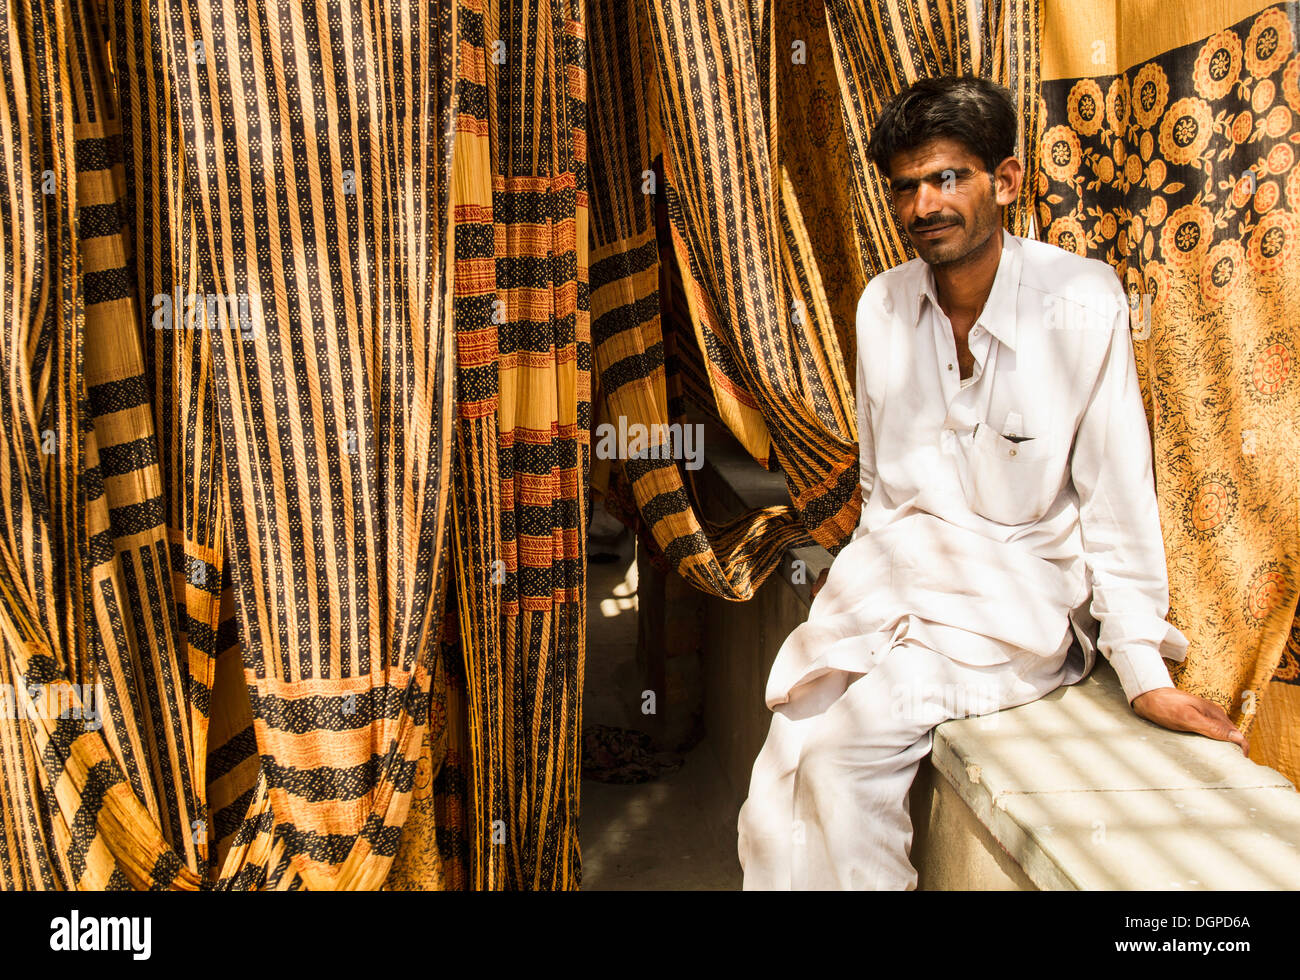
{"x": 946, "y": 202}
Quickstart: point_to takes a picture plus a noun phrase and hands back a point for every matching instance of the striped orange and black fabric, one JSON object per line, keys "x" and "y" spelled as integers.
{"x": 880, "y": 48}
{"x": 522, "y": 452}
{"x": 434, "y": 854}
{"x": 97, "y": 786}
{"x": 294, "y": 176}
{"x": 747, "y": 273}
{"x": 814, "y": 156}
{"x": 747, "y": 266}
{"x": 627, "y": 329}
{"x": 275, "y": 557}
{"x": 175, "y": 385}
{"x": 478, "y": 535}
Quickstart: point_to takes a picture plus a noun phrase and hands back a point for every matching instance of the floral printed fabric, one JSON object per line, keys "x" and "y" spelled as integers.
{"x": 1179, "y": 169}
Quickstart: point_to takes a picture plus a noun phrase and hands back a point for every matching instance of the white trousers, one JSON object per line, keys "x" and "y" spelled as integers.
{"x": 827, "y": 805}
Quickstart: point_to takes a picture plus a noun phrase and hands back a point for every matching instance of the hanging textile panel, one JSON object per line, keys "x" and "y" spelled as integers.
{"x": 815, "y": 156}
{"x": 522, "y": 452}
{"x": 434, "y": 854}
{"x": 765, "y": 333}
{"x": 308, "y": 206}
{"x": 96, "y": 746}
{"x": 749, "y": 272}
{"x": 176, "y": 388}
{"x": 1169, "y": 150}
{"x": 880, "y": 48}
{"x": 629, "y": 335}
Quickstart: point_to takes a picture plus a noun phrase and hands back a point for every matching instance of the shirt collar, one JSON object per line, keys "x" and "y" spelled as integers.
{"x": 999, "y": 314}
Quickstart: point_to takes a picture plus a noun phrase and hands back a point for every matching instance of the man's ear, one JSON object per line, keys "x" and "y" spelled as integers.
{"x": 1006, "y": 179}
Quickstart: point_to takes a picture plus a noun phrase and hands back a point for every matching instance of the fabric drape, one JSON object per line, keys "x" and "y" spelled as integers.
{"x": 229, "y": 377}
{"x": 814, "y": 157}
{"x": 1174, "y": 160}
{"x": 435, "y": 853}
{"x": 748, "y": 278}
{"x": 310, "y": 187}
{"x": 96, "y": 739}
{"x": 300, "y": 356}
{"x": 748, "y": 272}
{"x": 521, "y": 439}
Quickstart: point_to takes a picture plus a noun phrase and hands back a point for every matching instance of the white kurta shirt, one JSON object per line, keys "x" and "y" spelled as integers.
{"x": 1001, "y": 515}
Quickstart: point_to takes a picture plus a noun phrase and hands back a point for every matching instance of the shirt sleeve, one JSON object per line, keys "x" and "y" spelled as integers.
{"x": 1120, "y": 522}
{"x": 866, "y": 438}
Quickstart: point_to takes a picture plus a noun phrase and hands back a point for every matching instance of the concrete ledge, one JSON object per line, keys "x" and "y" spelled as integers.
{"x": 1082, "y": 793}
{"x": 1074, "y": 791}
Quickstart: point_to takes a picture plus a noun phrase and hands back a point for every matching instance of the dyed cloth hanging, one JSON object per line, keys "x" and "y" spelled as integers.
{"x": 748, "y": 270}
{"x": 814, "y": 155}
{"x": 309, "y": 191}
{"x": 748, "y": 277}
{"x": 521, "y": 442}
{"x": 97, "y": 747}
{"x": 280, "y": 439}
{"x": 435, "y": 852}
{"x": 243, "y": 526}
{"x": 1175, "y": 162}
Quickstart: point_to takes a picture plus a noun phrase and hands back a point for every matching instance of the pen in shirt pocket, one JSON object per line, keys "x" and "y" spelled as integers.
{"x": 1008, "y": 438}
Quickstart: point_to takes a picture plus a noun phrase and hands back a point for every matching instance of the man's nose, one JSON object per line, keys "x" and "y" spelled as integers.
{"x": 929, "y": 199}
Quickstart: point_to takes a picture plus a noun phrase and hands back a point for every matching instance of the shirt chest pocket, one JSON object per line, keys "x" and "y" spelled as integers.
{"x": 1011, "y": 482}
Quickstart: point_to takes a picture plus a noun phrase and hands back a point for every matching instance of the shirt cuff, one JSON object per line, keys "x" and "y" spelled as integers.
{"x": 1140, "y": 669}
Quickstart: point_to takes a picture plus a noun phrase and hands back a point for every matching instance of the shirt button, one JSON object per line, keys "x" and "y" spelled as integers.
{"x": 975, "y": 332}
{"x": 949, "y": 367}
{"x": 1013, "y": 452}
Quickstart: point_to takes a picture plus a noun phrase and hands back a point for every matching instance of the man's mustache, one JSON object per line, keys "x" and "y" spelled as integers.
{"x": 938, "y": 223}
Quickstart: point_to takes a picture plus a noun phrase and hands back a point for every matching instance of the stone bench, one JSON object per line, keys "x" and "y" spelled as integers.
{"x": 1074, "y": 791}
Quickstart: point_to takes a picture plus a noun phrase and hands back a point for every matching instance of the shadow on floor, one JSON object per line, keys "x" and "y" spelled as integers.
{"x": 677, "y": 832}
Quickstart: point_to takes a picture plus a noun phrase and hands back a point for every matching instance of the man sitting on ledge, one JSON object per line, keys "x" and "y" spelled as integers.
{"x": 1008, "y": 508}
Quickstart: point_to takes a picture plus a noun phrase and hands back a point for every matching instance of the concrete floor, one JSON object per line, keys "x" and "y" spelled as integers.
{"x": 676, "y": 833}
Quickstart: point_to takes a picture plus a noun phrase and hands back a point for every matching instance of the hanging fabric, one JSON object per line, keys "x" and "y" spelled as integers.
{"x": 295, "y": 180}
{"x": 748, "y": 275}
{"x": 96, "y": 738}
{"x": 521, "y": 456}
{"x": 814, "y": 157}
{"x": 1169, "y": 151}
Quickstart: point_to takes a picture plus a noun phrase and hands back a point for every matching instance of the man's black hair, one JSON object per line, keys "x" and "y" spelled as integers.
{"x": 975, "y": 111}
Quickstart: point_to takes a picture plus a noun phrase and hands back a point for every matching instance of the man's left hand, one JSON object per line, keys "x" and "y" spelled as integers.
{"x": 1180, "y": 711}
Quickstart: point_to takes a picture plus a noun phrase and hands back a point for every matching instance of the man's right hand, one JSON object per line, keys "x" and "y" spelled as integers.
{"x": 821, "y": 580}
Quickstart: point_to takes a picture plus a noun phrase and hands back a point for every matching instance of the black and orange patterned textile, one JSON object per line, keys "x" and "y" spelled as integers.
{"x": 99, "y": 787}
{"x": 1169, "y": 148}
{"x": 286, "y": 357}
{"x": 768, "y": 345}
{"x": 308, "y": 195}
{"x": 522, "y": 451}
